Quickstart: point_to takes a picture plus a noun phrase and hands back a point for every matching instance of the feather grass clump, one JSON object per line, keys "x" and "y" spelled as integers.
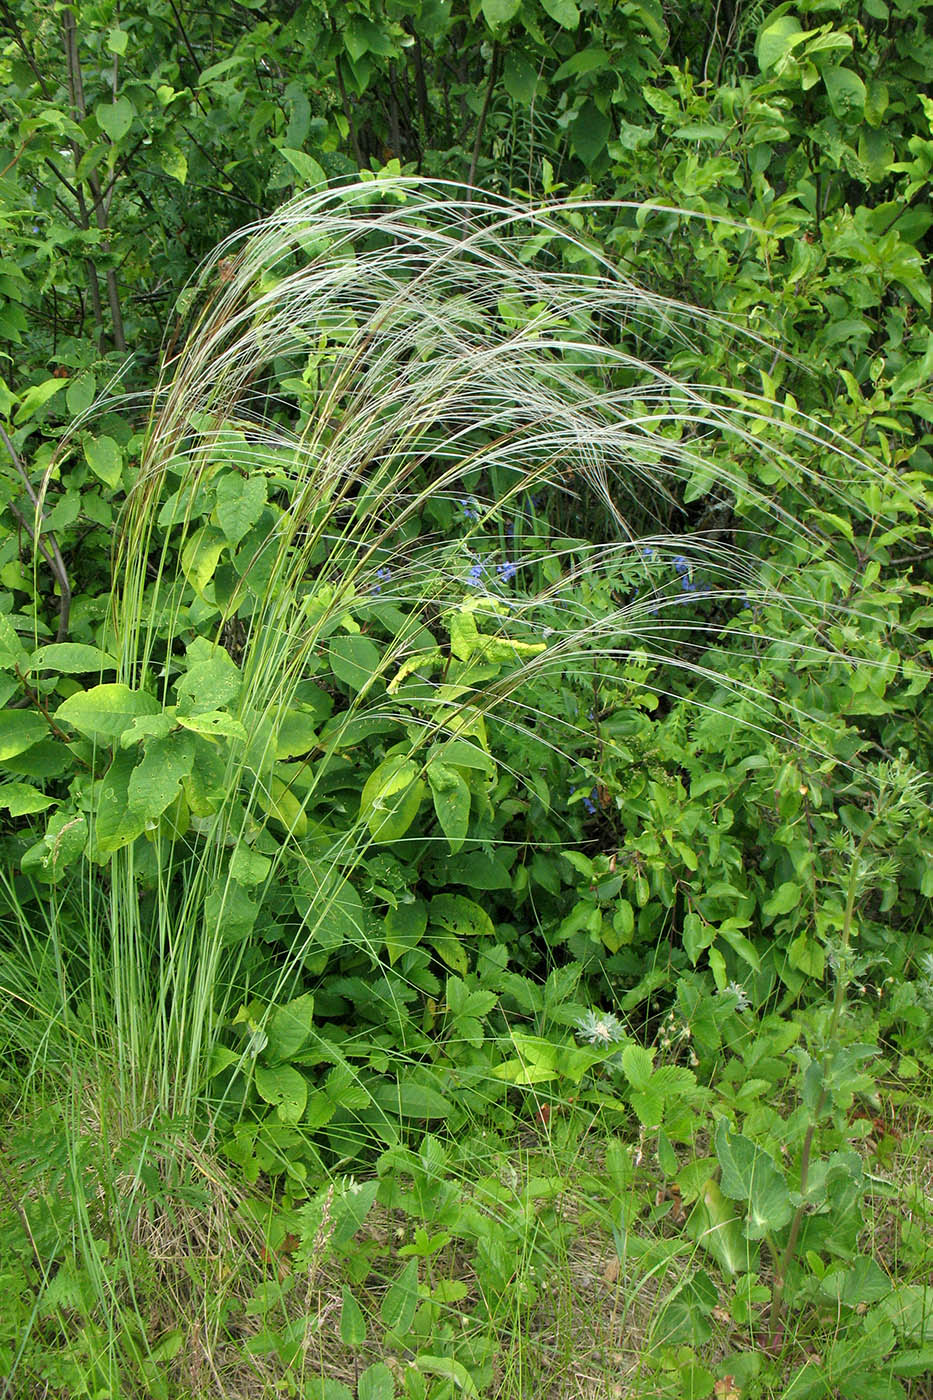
{"x": 372, "y": 354}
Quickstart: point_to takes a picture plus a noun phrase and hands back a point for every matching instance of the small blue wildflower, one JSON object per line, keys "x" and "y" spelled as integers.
{"x": 470, "y": 507}
{"x": 590, "y": 802}
{"x": 506, "y": 571}
{"x": 648, "y": 551}
{"x": 384, "y": 575}
{"x": 687, "y": 586}
{"x": 475, "y": 575}
{"x": 681, "y": 565}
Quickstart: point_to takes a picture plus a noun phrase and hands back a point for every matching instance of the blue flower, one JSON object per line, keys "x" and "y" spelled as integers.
{"x": 590, "y": 802}
{"x": 475, "y": 575}
{"x": 681, "y": 565}
{"x": 384, "y": 575}
{"x": 506, "y": 571}
{"x": 470, "y": 507}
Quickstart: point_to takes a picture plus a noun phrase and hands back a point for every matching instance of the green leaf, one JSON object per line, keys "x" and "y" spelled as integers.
{"x": 296, "y": 734}
{"x": 200, "y": 557}
{"x": 80, "y": 393}
{"x": 448, "y": 1369}
{"x": 35, "y": 398}
{"x": 308, "y": 168}
{"x": 777, "y": 40}
{"x": 289, "y": 1027}
{"x": 175, "y": 163}
{"x": 229, "y": 912}
{"x": 451, "y": 803}
{"x": 499, "y": 12}
{"x": 715, "y": 1225}
{"x": 637, "y": 1066}
{"x": 155, "y": 781}
{"x": 63, "y": 843}
{"x": 405, "y": 927}
{"x": 118, "y": 823}
{"x": 352, "y": 1321}
{"x": 563, "y": 12}
{"x": 240, "y": 502}
{"x": 590, "y": 132}
{"x": 117, "y": 41}
{"x": 249, "y": 867}
{"x": 71, "y": 658}
{"x": 215, "y": 724}
{"x": 104, "y": 459}
{"x": 105, "y": 711}
{"x": 354, "y": 660}
{"x": 846, "y": 93}
{"x": 401, "y": 1299}
{"x": 208, "y": 685}
{"x": 460, "y": 916}
{"x": 19, "y": 730}
{"x": 519, "y": 77}
{"x": 285, "y": 1088}
{"x": 115, "y": 118}
{"x": 590, "y": 60}
{"x": 785, "y": 898}
{"x": 391, "y": 797}
{"x": 21, "y": 799}
{"x": 375, "y": 1383}
{"x": 860, "y": 1281}
{"x": 749, "y": 1174}
{"x": 410, "y": 1097}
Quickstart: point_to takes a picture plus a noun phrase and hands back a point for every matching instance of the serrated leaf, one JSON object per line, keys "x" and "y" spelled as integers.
{"x": 375, "y": 1383}
{"x": 105, "y": 711}
{"x": 637, "y": 1066}
{"x": 285, "y": 1088}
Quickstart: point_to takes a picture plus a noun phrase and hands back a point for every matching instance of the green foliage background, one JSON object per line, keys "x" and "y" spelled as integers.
{"x": 727, "y": 831}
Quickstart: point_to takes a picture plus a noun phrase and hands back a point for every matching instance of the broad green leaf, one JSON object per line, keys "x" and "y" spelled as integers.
{"x": 391, "y": 797}
{"x": 588, "y": 60}
{"x": 405, "y": 927}
{"x": 208, "y": 685}
{"x": 104, "y": 459}
{"x": 284, "y": 805}
{"x": 35, "y": 398}
{"x": 285, "y": 1088}
{"x": 590, "y": 132}
{"x": 563, "y": 12}
{"x": 174, "y": 162}
{"x": 306, "y": 166}
{"x": 785, "y": 898}
{"x": 778, "y": 39}
{"x": 451, "y": 803}
{"x": 296, "y": 734}
{"x": 519, "y": 77}
{"x": 354, "y": 660}
{"x": 240, "y": 502}
{"x": 12, "y": 651}
{"x": 63, "y": 843}
{"x": 375, "y": 1383}
{"x": 215, "y": 724}
{"x": 200, "y": 557}
{"x": 401, "y": 1299}
{"x": 478, "y": 871}
{"x": 448, "y": 1369}
{"x": 118, "y": 822}
{"x": 149, "y": 727}
{"x": 289, "y": 1027}
{"x": 460, "y": 916}
{"x": 807, "y": 956}
{"x": 411, "y": 1098}
{"x": 846, "y": 93}
{"x": 155, "y": 781}
{"x": 80, "y": 393}
{"x": 19, "y": 730}
{"x": 716, "y": 1226}
{"x": 498, "y": 12}
{"x": 352, "y": 1321}
{"x": 105, "y": 711}
{"x": 749, "y": 1174}
{"x": 860, "y": 1281}
{"x": 117, "y": 40}
{"x": 249, "y": 867}
{"x": 115, "y": 118}
{"x": 21, "y": 799}
{"x": 229, "y": 912}
{"x": 71, "y": 658}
